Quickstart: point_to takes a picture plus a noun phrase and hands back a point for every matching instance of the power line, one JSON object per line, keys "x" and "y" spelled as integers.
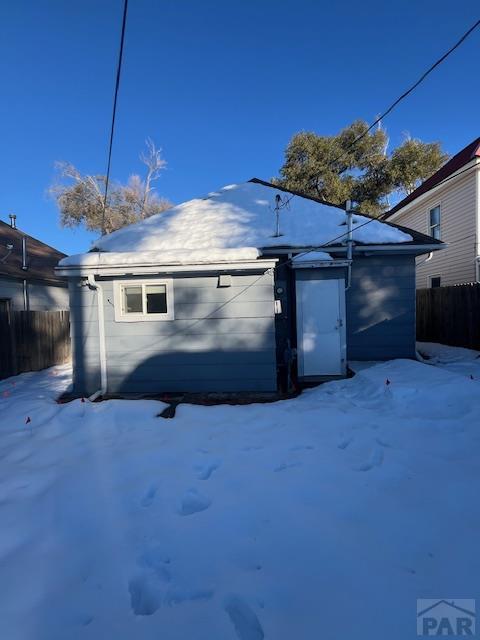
{"x": 114, "y": 112}
{"x": 410, "y": 90}
{"x": 454, "y": 175}
{"x": 405, "y": 94}
{"x": 382, "y": 220}
{"x": 470, "y": 235}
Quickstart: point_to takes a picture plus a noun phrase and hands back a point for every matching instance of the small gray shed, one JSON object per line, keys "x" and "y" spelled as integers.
{"x": 244, "y": 290}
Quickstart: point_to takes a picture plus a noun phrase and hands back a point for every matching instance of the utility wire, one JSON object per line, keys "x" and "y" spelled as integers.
{"x": 114, "y": 112}
{"x": 384, "y": 114}
{"x": 470, "y": 235}
{"x": 404, "y": 95}
{"x": 382, "y": 220}
{"x": 410, "y": 90}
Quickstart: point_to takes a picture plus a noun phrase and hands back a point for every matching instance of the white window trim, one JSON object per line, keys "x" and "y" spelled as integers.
{"x": 430, "y": 278}
{"x": 120, "y": 316}
{"x": 429, "y": 228}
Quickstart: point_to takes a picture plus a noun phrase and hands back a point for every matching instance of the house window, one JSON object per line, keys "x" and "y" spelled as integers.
{"x": 139, "y": 300}
{"x": 132, "y": 300}
{"x": 434, "y": 222}
{"x": 435, "y": 281}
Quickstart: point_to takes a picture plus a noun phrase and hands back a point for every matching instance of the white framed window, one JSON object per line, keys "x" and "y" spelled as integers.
{"x": 140, "y": 300}
{"x": 434, "y": 226}
{"x": 435, "y": 281}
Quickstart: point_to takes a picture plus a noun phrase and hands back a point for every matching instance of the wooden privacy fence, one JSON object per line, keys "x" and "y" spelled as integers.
{"x": 450, "y": 315}
{"x": 33, "y": 340}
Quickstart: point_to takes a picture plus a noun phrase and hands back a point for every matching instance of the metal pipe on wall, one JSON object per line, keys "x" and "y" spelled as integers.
{"x": 349, "y": 242}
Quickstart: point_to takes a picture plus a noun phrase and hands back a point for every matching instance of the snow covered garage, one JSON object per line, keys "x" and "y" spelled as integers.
{"x": 243, "y": 290}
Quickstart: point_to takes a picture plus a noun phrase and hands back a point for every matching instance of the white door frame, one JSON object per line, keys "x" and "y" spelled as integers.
{"x": 341, "y": 327}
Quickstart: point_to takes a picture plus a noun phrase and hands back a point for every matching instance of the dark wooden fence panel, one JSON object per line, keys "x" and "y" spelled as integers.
{"x": 450, "y": 315}
{"x": 33, "y": 340}
{"x": 7, "y": 343}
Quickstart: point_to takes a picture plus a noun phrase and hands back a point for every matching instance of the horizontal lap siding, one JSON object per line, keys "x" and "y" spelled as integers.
{"x": 47, "y": 297}
{"x": 456, "y": 263}
{"x": 222, "y": 339}
{"x": 12, "y": 290}
{"x": 40, "y": 297}
{"x": 84, "y": 335}
{"x": 381, "y": 308}
{"x": 198, "y": 384}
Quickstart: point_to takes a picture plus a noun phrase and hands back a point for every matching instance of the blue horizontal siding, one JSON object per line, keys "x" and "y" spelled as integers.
{"x": 381, "y": 308}
{"x": 222, "y": 339}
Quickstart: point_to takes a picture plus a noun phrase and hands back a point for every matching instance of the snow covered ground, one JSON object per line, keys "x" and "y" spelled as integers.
{"x": 326, "y": 516}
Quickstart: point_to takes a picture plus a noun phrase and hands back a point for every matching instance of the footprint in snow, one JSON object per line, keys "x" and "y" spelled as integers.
{"x": 204, "y": 471}
{"x": 155, "y": 560}
{"x": 303, "y": 447}
{"x": 284, "y": 465}
{"x": 244, "y": 620}
{"x": 382, "y": 443}
{"x": 146, "y": 595}
{"x": 343, "y": 444}
{"x": 149, "y": 496}
{"x": 179, "y": 596}
{"x": 375, "y": 460}
{"x": 193, "y": 502}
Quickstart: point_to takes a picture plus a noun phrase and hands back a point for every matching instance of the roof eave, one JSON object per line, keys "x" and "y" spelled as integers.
{"x": 473, "y": 164}
{"x": 362, "y": 248}
{"x": 145, "y": 269}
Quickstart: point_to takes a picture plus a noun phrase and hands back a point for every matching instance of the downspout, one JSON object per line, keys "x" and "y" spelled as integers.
{"x": 349, "y": 243}
{"x": 93, "y": 284}
{"x": 427, "y": 259}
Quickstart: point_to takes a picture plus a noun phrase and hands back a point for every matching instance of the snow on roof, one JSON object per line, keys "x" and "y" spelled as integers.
{"x": 311, "y": 256}
{"x": 239, "y": 217}
{"x": 184, "y": 256}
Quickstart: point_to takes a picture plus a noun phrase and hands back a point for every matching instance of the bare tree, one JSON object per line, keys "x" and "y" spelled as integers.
{"x": 80, "y": 198}
{"x": 154, "y": 162}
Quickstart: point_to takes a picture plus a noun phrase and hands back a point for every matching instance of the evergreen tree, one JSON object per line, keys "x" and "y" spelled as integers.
{"x": 335, "y": 169}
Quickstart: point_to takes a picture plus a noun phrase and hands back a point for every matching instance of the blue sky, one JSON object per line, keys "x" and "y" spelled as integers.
{"x": 221, "y": 86}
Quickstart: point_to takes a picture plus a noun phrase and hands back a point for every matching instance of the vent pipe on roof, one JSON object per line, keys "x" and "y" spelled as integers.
{"x": 13, "y": 220}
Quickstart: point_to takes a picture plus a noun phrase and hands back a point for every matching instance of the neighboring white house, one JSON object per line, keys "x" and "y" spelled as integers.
{"x": 447, "y": 207}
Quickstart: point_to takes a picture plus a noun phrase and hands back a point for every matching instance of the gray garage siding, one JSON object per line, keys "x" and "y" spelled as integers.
{"x": 381, "y": 308}
{"x": 84, "y": 335}
{"x": 222, "y": 339}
